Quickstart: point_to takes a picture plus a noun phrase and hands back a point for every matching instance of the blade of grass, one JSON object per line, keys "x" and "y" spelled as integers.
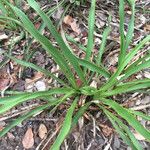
{"x": 134, "y": 51}
{"x": 98, "y": 69}
{"x": 137, "y": 62}
{"x": 31, "y": 65}
{"x": 67, "y": 53}
{"x": 122, "y": 36}
{"x": 33, "y": 112}
{"x": 5, "y": 18}
{"x": 120, "y": 131}
{"x": 91, "y": 24}
{"x": 136, "y": 69}
{"x": 9, "y": 102}
{"x": 80, "y": 113}
{"x": 65, "y": 128}
{"x": 130, "y": 29}
{"x": 24, "y": 117}
{"x": 113, "y": 79}
{"x": 124, "y": 131}
{"x": 128, "y": 117}
{"x": 128, "y": 87}
{"x": 70, "y": 39}
{"x": 103, "y": 43}
{"x": 59, "y": 59}
{"x": 141, "y": 114}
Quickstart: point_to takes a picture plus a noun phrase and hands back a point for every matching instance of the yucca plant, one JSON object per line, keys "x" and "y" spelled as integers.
{"x": 75, "y": 69}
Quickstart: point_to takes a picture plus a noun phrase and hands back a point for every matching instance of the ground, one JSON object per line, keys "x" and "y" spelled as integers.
{"x": 93, "y": 131}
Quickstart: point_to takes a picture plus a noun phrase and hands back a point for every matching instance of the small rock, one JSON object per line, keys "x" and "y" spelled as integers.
{"x": 40, "y": 85}
{"x": 147, "y": 75}
{"x": 3, "y": 36}
{"x": 10, "y": 136}
{"x": 116, "y": 143}
{"x": 138, "y": 102}
{"x": 146, "y": 100}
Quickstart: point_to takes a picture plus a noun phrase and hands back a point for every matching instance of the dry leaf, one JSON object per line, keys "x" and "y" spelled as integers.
{"x": 72, "y": 23}
{"x": 4, "y": 79}
{"x": 2, "y": 124}
{"x": 107, "y": 131}
{"x": 3, "y": 36}
{"x": 28, "y": 140}
{"x": 4, "y": 83}
{"x": 10, "y": 136}
{"x": 42, "y": 131}
{"x": 68, "y": 20}
{"x": 147, "y": 27}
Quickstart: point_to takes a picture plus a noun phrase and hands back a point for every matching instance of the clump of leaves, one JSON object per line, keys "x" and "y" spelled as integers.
{"x": 115, "y": 83}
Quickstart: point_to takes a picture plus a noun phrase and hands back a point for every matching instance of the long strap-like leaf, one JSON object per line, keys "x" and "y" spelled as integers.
{"x": 65, "y": 128}
{"x": 67, "y": 53}
{"x": 124, "y": 131}
{"x": 57, "y": 56}
{"x": 128, "y": 117}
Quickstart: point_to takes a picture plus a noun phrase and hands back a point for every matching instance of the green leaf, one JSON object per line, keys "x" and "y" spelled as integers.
{"x": 128, "y": 117}
{"x": 141, "y": 114}
{"x": 31, "y": 65}
{"x": 136, "y": 68}
{"x": 103, "y": 43}
{"x": 91, "y": 23}
{"x": 70, "y": 39}
{"x": 7, "y": 103}
{"x": 121, "y": 129}
{"x": 97, "y": 69}
{"x": 65, "y": 128}
{"x": 113, "y": 79}
{"x": 80, "y": 113}
{"x": 124, "y": 131}
{"x": 67, "y": 53}
{"x": 134, "y": 51}
{"x": 128, "y": 87}
{"x": 130, "y": 29}
{"x": 146, "y": 57}
{"x": 56, "y": 54}
{"x": 24, "y": 117}
{"x": 121, "y": 15}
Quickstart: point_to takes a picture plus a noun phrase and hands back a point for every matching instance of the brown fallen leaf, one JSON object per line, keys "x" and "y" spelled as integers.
{"x": 147, "y": 27}
{"x": 10, "y": 136}
{"x": 28, "y": 140}
{"x": 107, "y": 131}
{"x": 42, "y": 131}
{"x": 4, "y": 79}
{"x": 72, "y": 23}
{"x": 3, "y": 83}
{"x": 3, "y": 36}
{"x": 68, "y": 20}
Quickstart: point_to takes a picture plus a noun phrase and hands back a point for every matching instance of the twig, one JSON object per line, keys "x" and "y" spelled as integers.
{"x": 141, "y": 107}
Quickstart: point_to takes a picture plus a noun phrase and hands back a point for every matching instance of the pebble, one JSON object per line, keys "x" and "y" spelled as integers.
{"x": 40, "y": 85}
